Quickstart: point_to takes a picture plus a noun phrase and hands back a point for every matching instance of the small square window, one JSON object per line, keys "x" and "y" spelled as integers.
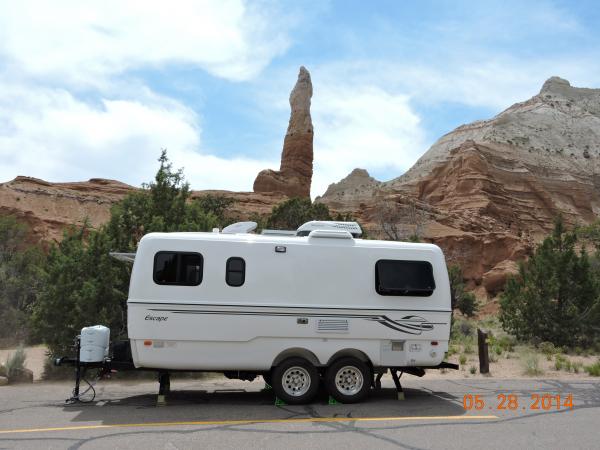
{"x": 235, "y": 272}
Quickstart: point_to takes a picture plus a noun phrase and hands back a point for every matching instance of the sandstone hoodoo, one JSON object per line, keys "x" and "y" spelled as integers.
{"x": 492, "y": 188}
{"x": 295, "y": 173}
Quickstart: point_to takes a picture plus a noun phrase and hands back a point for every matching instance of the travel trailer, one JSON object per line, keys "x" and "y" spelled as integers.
{"x": 319, "y": 306}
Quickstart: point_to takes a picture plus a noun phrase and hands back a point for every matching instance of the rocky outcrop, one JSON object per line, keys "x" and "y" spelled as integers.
{"x": 48, "y": 208}
{"x": 491, "y": 189}
{"x": 355, "y": 190}
{"x": 295, "y": 173}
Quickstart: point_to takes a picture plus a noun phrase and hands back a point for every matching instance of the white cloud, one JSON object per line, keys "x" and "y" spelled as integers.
{"x": 362, "y": 126}
{"x": 48, "y": 133}
{"x": 70, "y": 111}
{"x": 488, "y": 81}
{"x": 83, "y": 42}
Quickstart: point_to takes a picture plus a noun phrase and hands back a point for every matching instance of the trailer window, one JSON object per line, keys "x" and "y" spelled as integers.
{"x": 178, "y": 268}
{"x": 235, "y": 271}
{"x": 404, "y": 278}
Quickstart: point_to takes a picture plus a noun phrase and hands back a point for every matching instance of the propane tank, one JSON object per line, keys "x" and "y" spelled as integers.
{"x": 94, "y": 344}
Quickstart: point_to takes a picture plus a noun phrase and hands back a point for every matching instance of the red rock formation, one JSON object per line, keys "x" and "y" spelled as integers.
{"x": 48, "y": 208}
{"x": 295, "y": 173}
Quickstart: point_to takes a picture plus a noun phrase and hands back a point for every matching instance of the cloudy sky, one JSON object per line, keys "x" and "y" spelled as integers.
{"x": 96, "y": 89}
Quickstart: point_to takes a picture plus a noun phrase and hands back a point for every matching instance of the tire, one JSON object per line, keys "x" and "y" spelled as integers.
{"x": 348, "y": 380}
{"x": 295, "y": 381}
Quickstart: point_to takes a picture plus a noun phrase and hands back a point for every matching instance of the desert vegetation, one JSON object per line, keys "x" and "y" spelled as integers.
{"x": 556, "y": 295}
{"x": 548, "y": 320}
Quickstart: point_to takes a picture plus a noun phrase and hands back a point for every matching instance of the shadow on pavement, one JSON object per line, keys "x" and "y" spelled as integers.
{"x": 225, "y": 405}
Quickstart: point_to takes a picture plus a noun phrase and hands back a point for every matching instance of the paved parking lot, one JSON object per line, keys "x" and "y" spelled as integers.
{"x": 221, "y": 413}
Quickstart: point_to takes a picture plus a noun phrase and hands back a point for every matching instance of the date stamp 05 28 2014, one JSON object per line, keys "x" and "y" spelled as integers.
{"x": 514, "y": 402}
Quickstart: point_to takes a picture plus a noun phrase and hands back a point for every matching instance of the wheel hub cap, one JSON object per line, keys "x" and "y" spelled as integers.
{"x": 349, "y": 380}
{"x": 296, "y": 381}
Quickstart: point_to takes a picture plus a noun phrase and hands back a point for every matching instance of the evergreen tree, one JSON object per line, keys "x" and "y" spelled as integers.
{"x": 85, "y": 286}
{"x": 465, "y": 302}
{"x": 162, "y": 205}
{"x": 292, "y": 213}
{"x": 555, "y": 297}
{"x": 20, "y": 279}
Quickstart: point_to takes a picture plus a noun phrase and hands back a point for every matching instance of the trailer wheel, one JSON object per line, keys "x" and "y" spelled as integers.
{"x": 348, "y": 380}
{"x": 295, "y": 381}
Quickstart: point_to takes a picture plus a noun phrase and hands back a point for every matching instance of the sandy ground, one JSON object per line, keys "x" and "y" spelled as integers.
{"x": 511, "y": 367}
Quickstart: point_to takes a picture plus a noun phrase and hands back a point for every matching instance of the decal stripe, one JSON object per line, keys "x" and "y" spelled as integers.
{"x": 409, "y": 324}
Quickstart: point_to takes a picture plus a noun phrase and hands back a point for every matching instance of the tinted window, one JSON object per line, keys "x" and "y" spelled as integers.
{"x": 178, "y": 268}
{"x": 235, "y": 271}
{"x": 408, "y": 278}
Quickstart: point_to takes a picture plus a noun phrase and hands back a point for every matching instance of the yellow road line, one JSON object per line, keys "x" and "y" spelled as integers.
{"x": 248, "y": 422}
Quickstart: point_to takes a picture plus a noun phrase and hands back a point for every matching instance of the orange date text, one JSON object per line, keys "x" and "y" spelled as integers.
{"x": 513, "y": 402}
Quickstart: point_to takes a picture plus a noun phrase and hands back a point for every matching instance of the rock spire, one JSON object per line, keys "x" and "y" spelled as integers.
{"x": 295, "y": 173}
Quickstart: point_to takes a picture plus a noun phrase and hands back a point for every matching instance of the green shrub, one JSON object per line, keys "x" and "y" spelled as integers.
{"x": 462, "y": 328}
{"x": 559, "y": 361}
{"x": 507, "y": 343}
{"x": 53, "y": 373}
{"x": 467, "y": 304}
{"x": 15, "y": 362}
{"x": 462, "y": 359}
{"x": 548, "y": 349}
{"x": 594, "y": 369}
{"x": 473, "y": 370}
{"x": 292, "y": 213}
{"x": 3, "y": 372}
{"x": 577, "y": 366}
{"x": 531, "y": 364}
{"x": 497, "y": 350}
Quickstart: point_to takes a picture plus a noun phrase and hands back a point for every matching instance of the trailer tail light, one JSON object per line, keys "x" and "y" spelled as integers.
{"x": 434, "y": 342}
{"x": 147, "y": 343}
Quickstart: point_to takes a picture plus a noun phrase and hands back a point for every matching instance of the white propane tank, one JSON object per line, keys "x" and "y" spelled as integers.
{"x": 94, "y": 344}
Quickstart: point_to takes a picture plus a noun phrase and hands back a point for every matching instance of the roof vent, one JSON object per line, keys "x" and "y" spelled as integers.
{"x": 278, "y": 232}
{"x": 240, "y": 227}
{"x": 332, "y": 234}
{"x": 321, "y": 225}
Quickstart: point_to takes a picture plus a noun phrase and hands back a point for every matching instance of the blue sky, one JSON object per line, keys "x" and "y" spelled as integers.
{"x": 97, "y": 89}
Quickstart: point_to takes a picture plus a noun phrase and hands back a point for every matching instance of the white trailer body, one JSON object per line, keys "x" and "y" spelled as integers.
{"x": 225, "y": 302}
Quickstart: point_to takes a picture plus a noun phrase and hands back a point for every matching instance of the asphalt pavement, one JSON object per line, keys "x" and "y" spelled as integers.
{"x": 219, "y": 413}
